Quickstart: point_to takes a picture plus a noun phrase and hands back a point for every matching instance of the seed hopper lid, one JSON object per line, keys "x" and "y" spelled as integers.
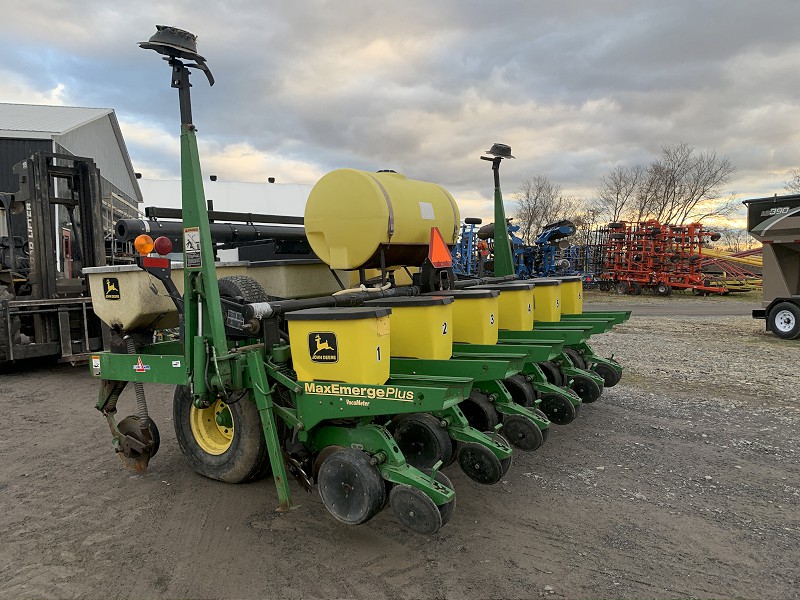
{"x": 543, "y": 281}
{"x": 338, "y": 313}
{"x": 471, "y": 294}
{"x": 511, "y": 286}
{"x": 409, "y": 301}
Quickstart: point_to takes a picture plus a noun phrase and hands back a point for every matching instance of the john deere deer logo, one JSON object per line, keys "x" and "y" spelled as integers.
{"x": 111, "y": 288}
{"x": 322, "y": 346}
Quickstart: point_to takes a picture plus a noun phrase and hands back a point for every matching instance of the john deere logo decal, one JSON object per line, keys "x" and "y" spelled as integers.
{"x": 322, "y": 347}
{"x": 111, "y": 288}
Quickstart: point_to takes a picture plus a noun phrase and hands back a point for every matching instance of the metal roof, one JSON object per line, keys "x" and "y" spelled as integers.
{"x": 63, "y": 124}
{"x": 41, "y": 121}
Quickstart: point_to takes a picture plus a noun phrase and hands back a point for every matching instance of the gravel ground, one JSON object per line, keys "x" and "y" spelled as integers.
{"x": 680, "y": 482}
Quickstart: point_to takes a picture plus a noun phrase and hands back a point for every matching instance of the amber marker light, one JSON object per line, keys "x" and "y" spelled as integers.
{"x": 144, "y": 244}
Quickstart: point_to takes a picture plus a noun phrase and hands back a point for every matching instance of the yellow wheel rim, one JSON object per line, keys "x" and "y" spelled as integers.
{"x": 212, "y": 427}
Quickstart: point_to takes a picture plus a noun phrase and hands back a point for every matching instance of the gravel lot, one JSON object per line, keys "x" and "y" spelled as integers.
{"x": 681, "y": 482}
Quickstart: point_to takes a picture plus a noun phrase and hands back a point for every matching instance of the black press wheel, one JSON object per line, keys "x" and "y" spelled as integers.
{"x": 552, "y": 373}
{"x": 784, "y": 320}
{"x": 479, "y": 463}
{"x": 576, "y": 357}
{"x": 586, "y": 388}
{"x": 521, "y": 390}
{"x": 423, "y": 441}
{"x": 351, "y": 488}
{"x": 479, "y": 411}
{"x": 557, "y": 408}
{"x": 415, "y": 509}
{"x": 609, "y": 374}
{"x": 223, "y": 441}
{"x": 522, "y": 433}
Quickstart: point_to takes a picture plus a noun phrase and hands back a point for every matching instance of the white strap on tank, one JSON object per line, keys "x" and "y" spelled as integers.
{"x": 456, "y": 223}
{"x": 388, "y": 205}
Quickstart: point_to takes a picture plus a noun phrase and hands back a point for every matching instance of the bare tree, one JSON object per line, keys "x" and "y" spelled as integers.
{"x": 793, "y": 184}
{"x": 681, "y": 185}
{"x": 617, "y": 192}
{"x": 735, "y": 240}
{"x": 540, "y": 202}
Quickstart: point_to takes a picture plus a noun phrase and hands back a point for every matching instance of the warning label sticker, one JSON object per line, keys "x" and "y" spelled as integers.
{"x": 191, "y": 247}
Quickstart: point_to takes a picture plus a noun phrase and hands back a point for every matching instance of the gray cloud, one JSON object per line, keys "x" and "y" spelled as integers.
{"x": 575, "y": 88}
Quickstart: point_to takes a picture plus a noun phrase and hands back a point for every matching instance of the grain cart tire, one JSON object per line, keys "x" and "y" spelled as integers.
{"x": 552, "y": 373}
{"x": 522, "y": 433}
{"x": 623, "y": 288}
{"x": 576, "y": 358}
{"x": 351, "y": 487}
{"x": 224, "y": 441}
{"x": 557, "y": 408}
{"x": 545, "y": 432}
{"x": 521, "y": 391}
{"x": 784, "y": 320}
{"x": 586, "y": 388}
{"x": 415, "y": 509}
{"x": 609, "y": 374}
{"x": 422, "y": 440}
{"x": 479, "y": 463}
{"x": 479, "y": 411}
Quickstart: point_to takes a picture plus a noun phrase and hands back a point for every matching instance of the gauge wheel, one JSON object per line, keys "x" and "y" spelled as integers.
{"x": 351, "y": 487}
{"x": 422, "y": 440}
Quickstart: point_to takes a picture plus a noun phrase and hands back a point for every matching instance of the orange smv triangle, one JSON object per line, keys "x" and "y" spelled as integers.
{"x": 438, "y": 252}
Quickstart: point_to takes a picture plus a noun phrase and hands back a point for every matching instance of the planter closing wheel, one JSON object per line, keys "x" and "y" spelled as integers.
{"x": 522, "y": 433}
{"x": 586, "y": 388}
{"x": 784, "y": 320}
{"x": 479, "y": 463}
{"x": 558, "y": 408}
{"x": 351, "y": 488}
{"x": 610, "y": 375}
{"x": 423, "y": 441}
{"x": 415, "y": 509}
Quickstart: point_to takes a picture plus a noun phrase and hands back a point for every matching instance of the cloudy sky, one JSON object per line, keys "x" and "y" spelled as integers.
{"x": 304, "y": 87}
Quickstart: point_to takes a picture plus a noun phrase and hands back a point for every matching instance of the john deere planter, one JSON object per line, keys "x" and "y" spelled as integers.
{"x": 365, "y": 393}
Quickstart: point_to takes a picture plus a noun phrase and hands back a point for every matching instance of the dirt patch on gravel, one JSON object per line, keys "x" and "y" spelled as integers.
{"x": 682, "y": 481}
